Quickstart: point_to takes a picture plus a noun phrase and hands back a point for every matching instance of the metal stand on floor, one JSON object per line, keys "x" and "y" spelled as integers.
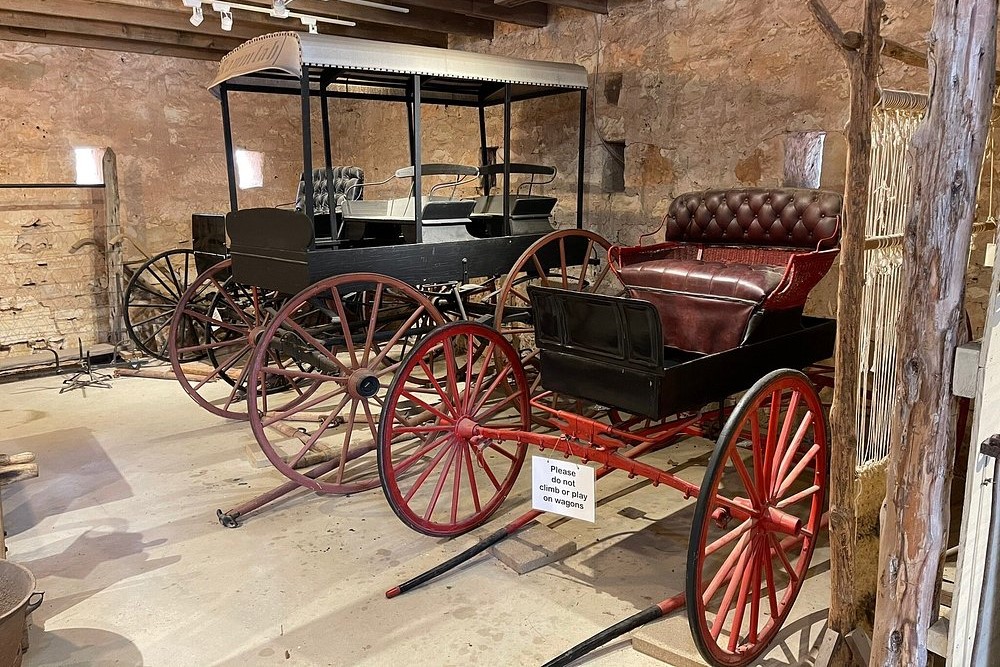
{"x": 87, "y": 376}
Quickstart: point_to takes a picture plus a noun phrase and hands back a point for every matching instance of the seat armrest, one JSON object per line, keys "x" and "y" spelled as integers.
{"x": 802, "y": 273}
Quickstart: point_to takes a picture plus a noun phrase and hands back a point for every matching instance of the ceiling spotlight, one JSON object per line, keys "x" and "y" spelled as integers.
{"x": 225, "y": 15}
{"x": 279, "y": 9}
{"x": 310, "y": 22}
{"x": 197, "y": 16}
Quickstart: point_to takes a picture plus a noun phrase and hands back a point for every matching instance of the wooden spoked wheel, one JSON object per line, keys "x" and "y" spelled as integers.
{"x": 222, "y": 320}
{"x": 321, "y": 369}
{"x": 439, "y": 478}
{"x": 151, "y": 296}
{"x": 757, "y": 519}
{"x": 572, "y": 259}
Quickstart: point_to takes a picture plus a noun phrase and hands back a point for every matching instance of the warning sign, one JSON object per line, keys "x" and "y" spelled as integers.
{"x": 561, "y": 487}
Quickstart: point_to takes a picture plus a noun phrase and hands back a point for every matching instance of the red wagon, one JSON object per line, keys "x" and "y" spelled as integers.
{"x": 713, "y": 312}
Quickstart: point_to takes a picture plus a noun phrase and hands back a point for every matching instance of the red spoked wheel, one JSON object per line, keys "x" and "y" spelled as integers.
{"x": 438, "y": 476}
{"x": 320, "y": 370}
{"x": 222, "y": 320}
{"x": 757, "y": 519}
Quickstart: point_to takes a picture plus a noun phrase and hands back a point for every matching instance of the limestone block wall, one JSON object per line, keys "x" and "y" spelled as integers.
{"x": 693, "y": 93}
{"x": 166, "y": 131}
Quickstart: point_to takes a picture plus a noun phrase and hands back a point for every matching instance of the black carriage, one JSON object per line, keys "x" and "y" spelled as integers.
{"x": 370, "y": 272}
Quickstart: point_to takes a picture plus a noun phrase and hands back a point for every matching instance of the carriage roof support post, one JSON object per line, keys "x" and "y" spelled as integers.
{"x": 227, "y": 138}
{"x": 415, "y": 144}
{"x": 328, "y": 158}
{"x": 483, "y": 150}
{"x": 307, "y": 181}
{"x": 506, "y": 159}
{"x": 409, "y": 130}
{"x": 580, "y": 158}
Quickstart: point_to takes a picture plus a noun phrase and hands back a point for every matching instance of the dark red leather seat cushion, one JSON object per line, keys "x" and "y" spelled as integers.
{"x": 749, "y": 282}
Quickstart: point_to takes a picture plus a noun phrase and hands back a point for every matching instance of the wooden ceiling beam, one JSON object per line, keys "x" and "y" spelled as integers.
{"x": 420, "y": 18}
{"x": 531, "y": 13}
{"x": 596, "y": 6}
{"x": 117, "y": 31}
{"x": 106, "y": 43}
{"x": 172, "y": 16}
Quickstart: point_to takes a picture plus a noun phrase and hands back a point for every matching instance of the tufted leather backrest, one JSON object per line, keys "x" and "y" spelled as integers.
{"x": 343, "y": 178}
{"x": 787, "y": 217}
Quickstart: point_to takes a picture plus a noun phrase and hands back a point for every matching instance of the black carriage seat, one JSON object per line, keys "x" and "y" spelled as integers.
{"x": 347, "y": 182}
{"x": 736, "y": 265}
{"x": 392, "y": 220}
{"x": 529, "y": 213}
{"x": 338, "y": 183}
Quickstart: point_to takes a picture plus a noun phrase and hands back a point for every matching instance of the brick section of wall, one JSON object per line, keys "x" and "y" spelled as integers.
{"x": 166, "y": 130}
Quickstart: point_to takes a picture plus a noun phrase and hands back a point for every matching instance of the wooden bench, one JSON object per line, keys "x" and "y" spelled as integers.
{"x": 736, "y": 266}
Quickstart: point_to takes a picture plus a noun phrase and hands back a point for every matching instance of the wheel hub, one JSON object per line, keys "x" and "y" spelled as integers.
{"x": 363, "y": 383}
{"x": 254, "y": 335}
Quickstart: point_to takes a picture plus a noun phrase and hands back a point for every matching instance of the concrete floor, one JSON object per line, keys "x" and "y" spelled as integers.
{"x": 120, "y": 531}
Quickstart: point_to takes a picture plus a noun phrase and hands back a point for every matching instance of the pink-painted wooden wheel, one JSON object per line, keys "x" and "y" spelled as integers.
{"x": 321, "y": 369}
{"x": 757, "y": 519}
{"x": 439, "y": 479}
{"x": 571, "y": 259}
{"x": 222, "y": 320}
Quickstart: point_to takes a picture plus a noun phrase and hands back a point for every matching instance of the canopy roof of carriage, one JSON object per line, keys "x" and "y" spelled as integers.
{"x": 351, "y": 67}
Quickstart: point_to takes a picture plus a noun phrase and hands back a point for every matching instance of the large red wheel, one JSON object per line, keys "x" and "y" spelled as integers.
{"x": 222, "y": 320}
{"x": 757, "y": 519}
{"x": 439, "y": 479}
{"x": 320, "y": 371}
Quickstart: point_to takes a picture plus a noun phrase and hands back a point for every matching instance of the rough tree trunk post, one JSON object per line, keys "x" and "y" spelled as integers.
{"x": 948, "y": 149}
{"x": 861, "y": 52}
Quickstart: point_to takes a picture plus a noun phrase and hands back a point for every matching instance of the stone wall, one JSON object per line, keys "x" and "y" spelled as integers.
{"x": 701, "y": 93}
{"x": 166, "y": 131}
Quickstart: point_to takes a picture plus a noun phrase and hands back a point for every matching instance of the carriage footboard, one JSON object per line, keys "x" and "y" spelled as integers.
{"x": 610, "y": 350}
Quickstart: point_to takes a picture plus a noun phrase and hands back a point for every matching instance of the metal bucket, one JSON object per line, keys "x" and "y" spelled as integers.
{"x": 18, "y": 598}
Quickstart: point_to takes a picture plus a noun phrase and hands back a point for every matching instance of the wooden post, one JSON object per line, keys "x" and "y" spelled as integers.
{"x": 861, "y": 53}
{"x": 113, "y": 250}
{"x": 948, "y": 149}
